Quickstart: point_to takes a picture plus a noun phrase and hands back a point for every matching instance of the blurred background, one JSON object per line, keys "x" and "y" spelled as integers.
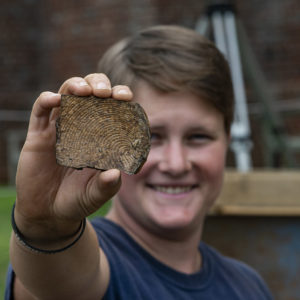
{"x": 45, "y": 42}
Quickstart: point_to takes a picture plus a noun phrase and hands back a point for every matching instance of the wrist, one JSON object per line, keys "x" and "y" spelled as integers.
{"x": 48, "y": 238}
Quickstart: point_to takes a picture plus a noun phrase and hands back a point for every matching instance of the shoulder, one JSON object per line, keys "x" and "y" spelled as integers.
{"x": 222, "y": 260}
{"x": 118, "y": 246}
{"x": 109, "y": 233}
{"x": 225, "y": 263}
{"x": 236, "y": 273}
{"x": 128, "y": 262}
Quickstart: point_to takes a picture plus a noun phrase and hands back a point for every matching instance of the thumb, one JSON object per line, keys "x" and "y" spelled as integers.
{"x": 106, "y": 185}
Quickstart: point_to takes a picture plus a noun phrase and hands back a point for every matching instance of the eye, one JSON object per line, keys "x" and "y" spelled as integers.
{"x": 155, "y": 137}
{"x": 199, "y": 137}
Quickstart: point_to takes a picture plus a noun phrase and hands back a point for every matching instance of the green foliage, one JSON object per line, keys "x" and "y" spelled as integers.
{"x": 7, "y": 198}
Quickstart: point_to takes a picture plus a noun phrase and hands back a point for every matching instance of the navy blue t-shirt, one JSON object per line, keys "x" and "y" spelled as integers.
{"x": 135, "y": 274}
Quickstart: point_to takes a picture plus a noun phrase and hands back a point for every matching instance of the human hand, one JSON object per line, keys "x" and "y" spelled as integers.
{"x": 52, "y": 199}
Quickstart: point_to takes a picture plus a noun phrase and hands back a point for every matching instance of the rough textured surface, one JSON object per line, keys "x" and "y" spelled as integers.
{"x": 76, "y": 36}
{"x": 101, "y": 134}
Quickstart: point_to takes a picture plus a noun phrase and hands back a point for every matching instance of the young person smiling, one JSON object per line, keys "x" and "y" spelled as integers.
{"x": 149, "y": 244}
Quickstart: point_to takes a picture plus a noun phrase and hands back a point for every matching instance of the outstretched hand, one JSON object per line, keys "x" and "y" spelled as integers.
{"x": 50, "y": 198}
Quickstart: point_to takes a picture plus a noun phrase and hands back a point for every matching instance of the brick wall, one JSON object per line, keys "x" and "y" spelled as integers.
{"x": 45, "y": 42}
{"x": 273, "y": 28}
{"x": 19, "y": 82}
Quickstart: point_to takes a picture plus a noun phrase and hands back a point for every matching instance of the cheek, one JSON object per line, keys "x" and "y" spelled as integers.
{"x": 131, "y": 185}
{"x": 216, "y": 153}
{"x": 128, "y": 182}
{"x": 217, "y": 157}
{"x": 148, "y": 166}
{"x": 213, "y": 161}
{"x": 154, "y": 156}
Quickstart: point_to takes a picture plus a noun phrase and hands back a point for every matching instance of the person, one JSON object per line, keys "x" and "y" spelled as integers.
{"x": 149, "y": 244}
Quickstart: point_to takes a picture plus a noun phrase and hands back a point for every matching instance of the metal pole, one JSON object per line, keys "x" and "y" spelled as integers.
{"x": 240, "y": 129}
{"x": 225, "y": 36}
{"x": 202, "y": 25}
{"x": 219, "y": 32}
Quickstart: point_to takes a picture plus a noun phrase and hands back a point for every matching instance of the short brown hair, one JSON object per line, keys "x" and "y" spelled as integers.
{"x": 172, "y": 58}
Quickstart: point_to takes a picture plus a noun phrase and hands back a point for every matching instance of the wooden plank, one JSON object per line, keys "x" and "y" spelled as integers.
{"x": 243, "y": 210}
{"x": 260, "y": 192}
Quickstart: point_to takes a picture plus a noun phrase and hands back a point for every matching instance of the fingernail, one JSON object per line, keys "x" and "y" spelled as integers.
{"x": 102, "y": 86}
{"x": 54, "y": 95}
{"x": 122, "y": 92}
{"x": 83, "y": 83}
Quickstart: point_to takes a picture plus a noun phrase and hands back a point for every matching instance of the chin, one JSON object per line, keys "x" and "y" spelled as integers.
{"x": 174, "y": 222}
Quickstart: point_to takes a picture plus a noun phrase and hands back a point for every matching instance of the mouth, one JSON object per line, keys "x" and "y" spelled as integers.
{"x": 172, "y": 190}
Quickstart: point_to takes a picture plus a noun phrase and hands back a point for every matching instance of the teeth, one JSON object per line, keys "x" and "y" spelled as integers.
{"x": 172, "y": 190}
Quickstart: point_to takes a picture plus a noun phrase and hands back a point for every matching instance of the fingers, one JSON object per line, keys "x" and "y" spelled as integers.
{"x": 42, "y": 108}
{"x": 100, "y": 85}
{"x": 45, "y": 108}
{"x": 75, "y": 86}
{"x": 97, "y": 84}
{"x": 122, "y": 92}
{"x": 45, "y": 103}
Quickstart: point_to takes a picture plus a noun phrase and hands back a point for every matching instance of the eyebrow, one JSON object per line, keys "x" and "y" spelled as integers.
{"x": 193, "y": 128}
{"x": 201, "y": 128}
{"x": 157, "y": 127}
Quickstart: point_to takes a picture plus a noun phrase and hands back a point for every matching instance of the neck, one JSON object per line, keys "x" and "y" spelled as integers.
{"x": 173, "y": 248}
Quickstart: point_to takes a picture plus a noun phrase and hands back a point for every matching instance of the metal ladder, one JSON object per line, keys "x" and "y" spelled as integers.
{"x": 228, "y": 34}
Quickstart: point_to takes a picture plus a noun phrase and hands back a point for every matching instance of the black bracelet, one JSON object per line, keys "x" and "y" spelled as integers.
{"x": 22, "y": 240}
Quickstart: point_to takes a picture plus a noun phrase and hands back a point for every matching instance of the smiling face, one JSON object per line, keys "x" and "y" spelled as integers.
{"x": 183, "y": 174}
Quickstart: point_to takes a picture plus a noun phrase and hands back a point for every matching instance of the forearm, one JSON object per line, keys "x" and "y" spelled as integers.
{"x": 52, "y": 200}
{"x": 64, "y": 275}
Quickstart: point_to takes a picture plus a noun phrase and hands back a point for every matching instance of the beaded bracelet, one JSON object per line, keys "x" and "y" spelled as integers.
{"x": 22, "y": 240}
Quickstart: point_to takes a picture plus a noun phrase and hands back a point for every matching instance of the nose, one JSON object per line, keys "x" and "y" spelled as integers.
{"x": 175, "y": 159}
